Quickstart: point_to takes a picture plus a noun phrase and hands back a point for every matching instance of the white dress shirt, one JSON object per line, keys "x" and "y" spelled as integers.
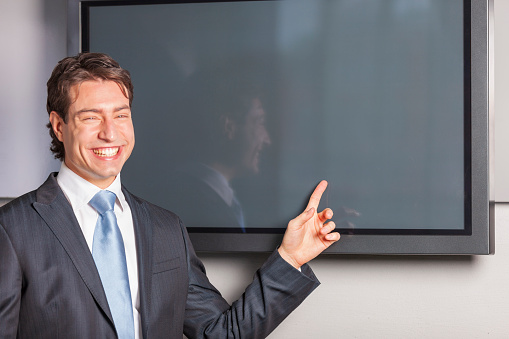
{"x": 78, "y": 192}
{"x": 214, "y": 179}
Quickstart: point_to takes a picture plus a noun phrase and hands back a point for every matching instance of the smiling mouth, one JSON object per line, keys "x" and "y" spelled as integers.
{"x": 106, "y": 152}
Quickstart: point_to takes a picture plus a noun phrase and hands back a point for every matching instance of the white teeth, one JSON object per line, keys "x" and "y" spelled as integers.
{"x": 106, "y": 152}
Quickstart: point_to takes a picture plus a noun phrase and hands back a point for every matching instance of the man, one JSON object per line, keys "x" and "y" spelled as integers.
{"x": 225, "y": 146}
{"x": 71, "y": 268}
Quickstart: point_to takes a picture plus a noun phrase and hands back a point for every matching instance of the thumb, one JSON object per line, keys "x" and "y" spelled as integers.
{"x": 302, "y": 218}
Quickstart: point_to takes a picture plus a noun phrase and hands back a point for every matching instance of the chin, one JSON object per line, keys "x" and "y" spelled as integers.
{"x": 107, "y": 174}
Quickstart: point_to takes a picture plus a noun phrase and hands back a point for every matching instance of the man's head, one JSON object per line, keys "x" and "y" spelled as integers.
{"x": 73, "y": 71}
{"x": 89, "y": 106}
{"x": 228, "y": 104}
{"x": 245, "y": 136}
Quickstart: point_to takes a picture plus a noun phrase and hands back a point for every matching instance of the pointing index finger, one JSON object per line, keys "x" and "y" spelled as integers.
{"x": 314, "y": 200}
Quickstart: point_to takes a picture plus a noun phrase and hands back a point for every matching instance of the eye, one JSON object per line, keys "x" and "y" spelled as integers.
{"x": 123, "y": 114}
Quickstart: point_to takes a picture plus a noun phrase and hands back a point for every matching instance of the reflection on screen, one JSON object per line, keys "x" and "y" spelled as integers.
{"x": 241, "y": 108}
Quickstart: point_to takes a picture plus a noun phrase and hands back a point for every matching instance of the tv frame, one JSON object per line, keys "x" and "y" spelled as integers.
{"x": 478, "y": 140}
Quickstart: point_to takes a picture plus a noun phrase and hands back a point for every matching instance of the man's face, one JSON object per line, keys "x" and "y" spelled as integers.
{"x": 253, "y": 137}
{"x": 99, "y": 135}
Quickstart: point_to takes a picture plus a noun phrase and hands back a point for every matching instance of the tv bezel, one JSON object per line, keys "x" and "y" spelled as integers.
{"x": 479, "y": 235}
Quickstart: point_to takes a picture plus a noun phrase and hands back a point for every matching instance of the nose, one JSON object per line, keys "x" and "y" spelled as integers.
{"x": 108, "y": 130}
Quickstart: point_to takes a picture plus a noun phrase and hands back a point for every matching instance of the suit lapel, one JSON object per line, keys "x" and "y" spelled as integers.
{"x": 143, "y": 236}
{"x": 56, "y": 211}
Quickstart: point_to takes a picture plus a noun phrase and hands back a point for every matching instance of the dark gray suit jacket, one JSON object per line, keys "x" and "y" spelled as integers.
{"x": 192, "y": 192}
{"x": 50, "y": 288}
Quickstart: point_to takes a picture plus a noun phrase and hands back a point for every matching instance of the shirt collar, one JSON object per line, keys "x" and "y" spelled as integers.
{"x": 79, "y": 191}
{"x": 215, "y": 180}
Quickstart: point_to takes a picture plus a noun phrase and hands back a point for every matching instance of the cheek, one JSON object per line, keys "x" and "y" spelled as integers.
{"x": 128, "y": 131}
{"x": 78, "y": 138}
{"x": 257, "y": 136}
{"x": 69, "y": 139}
{"x": 79, "y": 141}
{"x": 130, "y": 138}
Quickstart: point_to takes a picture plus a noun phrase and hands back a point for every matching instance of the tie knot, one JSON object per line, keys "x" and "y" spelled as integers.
{"x": 103, "y": 201}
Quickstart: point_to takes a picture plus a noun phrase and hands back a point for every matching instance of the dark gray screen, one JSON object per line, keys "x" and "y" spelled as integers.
{"x": 366, "y": 94}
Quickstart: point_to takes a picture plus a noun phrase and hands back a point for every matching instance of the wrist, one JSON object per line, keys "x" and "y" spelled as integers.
{"x": 288, "y": 258}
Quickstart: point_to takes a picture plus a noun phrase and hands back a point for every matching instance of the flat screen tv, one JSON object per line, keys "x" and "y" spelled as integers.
{"x": 242, "y": 107}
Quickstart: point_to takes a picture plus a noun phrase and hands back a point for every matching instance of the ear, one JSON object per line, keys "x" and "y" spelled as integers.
{"x": 229, "y": 127}
{"x": 57, "y": 124}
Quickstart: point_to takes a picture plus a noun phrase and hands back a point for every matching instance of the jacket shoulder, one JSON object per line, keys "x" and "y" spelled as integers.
{"x": 18, "y": 205}
{"x": 24, "y": 203}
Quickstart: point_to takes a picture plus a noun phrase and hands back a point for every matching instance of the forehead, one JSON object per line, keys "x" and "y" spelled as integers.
{"x": 97, "y": 92}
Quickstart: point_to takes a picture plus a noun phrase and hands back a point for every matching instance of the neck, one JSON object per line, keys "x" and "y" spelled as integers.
{"x": 228, "y": 172}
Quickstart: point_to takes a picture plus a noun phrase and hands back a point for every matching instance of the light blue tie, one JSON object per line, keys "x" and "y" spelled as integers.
{"x": 237, "y": 210}
{"x": 109, "y": 256}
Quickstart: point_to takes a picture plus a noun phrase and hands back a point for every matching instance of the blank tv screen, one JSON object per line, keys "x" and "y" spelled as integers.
{"x": 241, "y": 108}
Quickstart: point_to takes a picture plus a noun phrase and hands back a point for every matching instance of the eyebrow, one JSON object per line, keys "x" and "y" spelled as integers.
{"x": 94, "y": 110}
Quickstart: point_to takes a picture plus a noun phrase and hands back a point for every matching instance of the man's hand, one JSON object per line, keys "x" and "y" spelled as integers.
{"x": 308, "y": 234}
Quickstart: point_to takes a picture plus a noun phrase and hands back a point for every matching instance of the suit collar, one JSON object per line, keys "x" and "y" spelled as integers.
{"x": 143, "y": 235}
{"x": 55, "y": 210}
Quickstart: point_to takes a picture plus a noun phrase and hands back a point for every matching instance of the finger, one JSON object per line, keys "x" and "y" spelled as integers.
{"x": 333, "y": 237}
{"x": 302, "y": 218}
{"x": 326, "y": 214}
{"x": 328, "y": 227}
{"x": 314, "y": 200}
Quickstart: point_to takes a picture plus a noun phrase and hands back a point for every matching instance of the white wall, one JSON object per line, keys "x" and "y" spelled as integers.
{"x": 501, "y": 100}
{"x": 33, "y": 36}
{"x": 360, "y": 296}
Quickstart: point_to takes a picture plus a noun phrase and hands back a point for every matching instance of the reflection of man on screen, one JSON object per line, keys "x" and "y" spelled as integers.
{"x": 226, "y": 145}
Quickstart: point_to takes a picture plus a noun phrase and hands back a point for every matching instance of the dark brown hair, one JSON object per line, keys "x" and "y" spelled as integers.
{"x": 75, "y": 70}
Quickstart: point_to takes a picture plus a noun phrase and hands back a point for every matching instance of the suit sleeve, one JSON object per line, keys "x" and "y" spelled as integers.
{"x": 10, "y": 287}
{"x": 276, "y": 290}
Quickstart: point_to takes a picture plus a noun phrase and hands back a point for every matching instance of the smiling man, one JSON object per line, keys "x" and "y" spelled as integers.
{"x": 98, "y": 133}
{"x": 81, "y": 257}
